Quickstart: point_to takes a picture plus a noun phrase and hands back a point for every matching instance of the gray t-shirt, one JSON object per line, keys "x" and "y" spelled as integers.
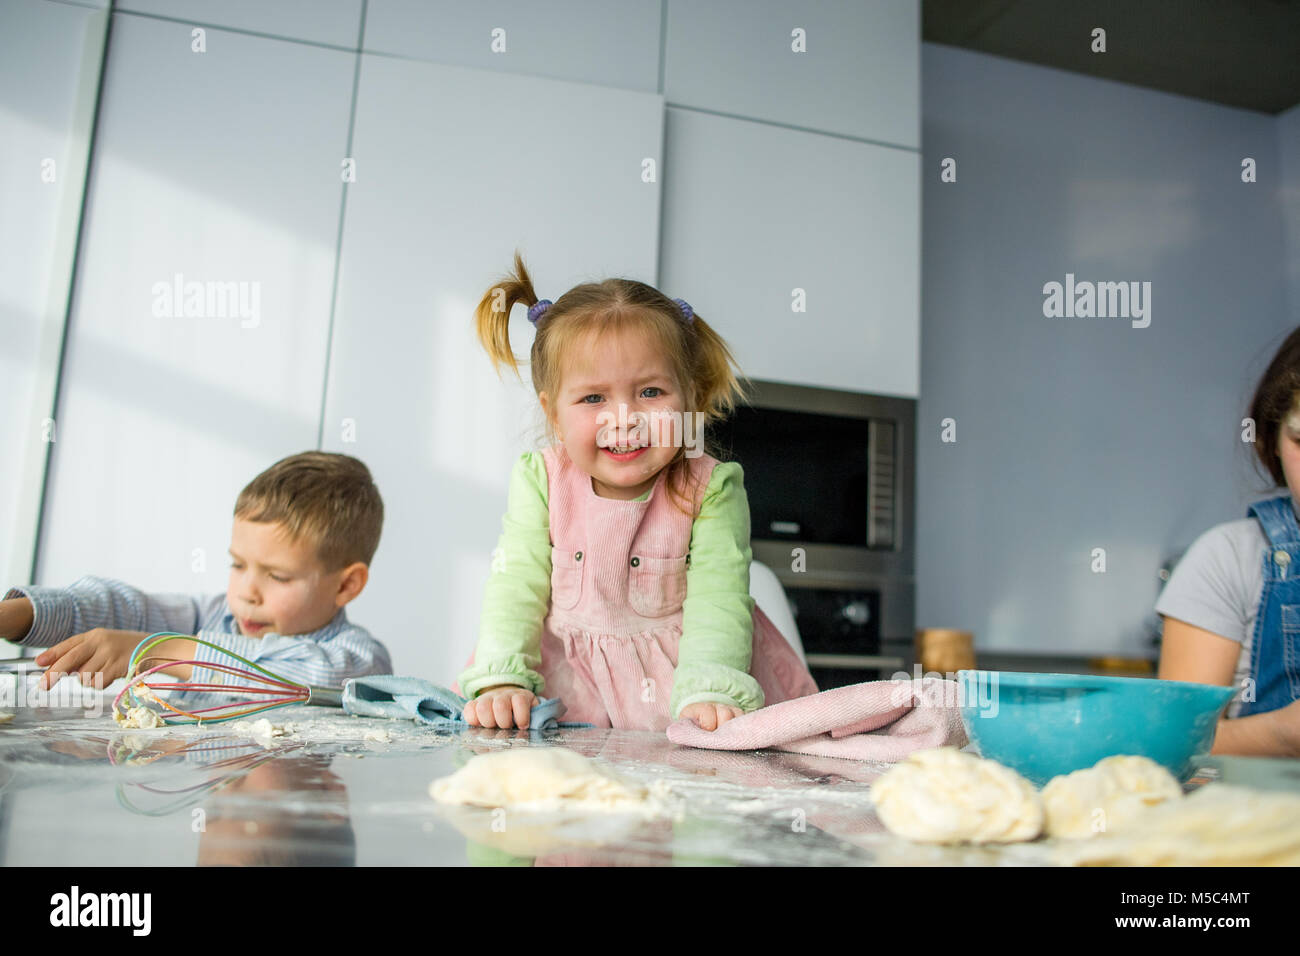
{"x": 1216, "y": 586}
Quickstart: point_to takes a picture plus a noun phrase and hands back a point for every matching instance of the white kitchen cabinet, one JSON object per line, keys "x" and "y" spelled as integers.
{"x": 220, "y": 167}
{"x": 756, "y": 214}
{"x": 50, "y": 57}
{"x": 448, "y": 186}
{"x": 605, "y": 42}
{"x": 859, "y": 75}
{"x": 333, "y": 22}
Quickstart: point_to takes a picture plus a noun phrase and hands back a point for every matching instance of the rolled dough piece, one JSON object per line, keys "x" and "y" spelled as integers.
{"x": 1108, "y": 797}
{"x": 540, "y": 778}
{"x": 1217, "y": 825}
{"x": 5, "y": 717}
{"x": 945, "y": 796}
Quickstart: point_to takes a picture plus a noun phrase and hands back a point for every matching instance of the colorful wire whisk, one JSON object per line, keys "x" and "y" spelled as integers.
{"x": 252, "y": 688}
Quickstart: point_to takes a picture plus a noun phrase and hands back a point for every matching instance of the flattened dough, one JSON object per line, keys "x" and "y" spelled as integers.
{"x": 1106, "y": 798}
{"x": 541, "y": 778}
{"x": 1217, "y": 825}
{"x": 946, "y": 796}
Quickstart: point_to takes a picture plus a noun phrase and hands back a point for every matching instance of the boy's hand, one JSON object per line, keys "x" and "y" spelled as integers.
{"x": 708, "y": 715}
{"x": 504, "y": 706}
{"x": 100, "y": 651}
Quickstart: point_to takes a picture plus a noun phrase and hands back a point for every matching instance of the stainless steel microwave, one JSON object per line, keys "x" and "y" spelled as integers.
{"x": 830, "y": 476}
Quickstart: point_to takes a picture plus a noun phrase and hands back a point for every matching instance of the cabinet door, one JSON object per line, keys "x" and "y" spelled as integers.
{"x": 333, "y": 22}
{"x": 50, "y": 58}
{"x": 456, "y": 168}
{"x": 222, "y": 169}
{"x": 755, "y": 215}
{"x": 858, "y": 74}
{"x": 605, "y": 42}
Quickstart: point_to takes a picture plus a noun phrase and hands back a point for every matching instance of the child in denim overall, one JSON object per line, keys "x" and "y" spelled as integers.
{"x": 1232, "y": 606}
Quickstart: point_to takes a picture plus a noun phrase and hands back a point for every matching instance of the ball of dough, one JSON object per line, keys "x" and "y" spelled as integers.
{"x": 1110, "y": 796}
{"x": 537, "y": 777}
{"x": 946, "y": 796}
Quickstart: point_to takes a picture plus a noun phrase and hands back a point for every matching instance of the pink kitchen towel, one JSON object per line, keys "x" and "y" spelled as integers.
{"x": 880, "y": 720}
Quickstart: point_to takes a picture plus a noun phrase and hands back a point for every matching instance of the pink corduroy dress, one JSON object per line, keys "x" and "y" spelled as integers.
{"x": 618, "y": 579}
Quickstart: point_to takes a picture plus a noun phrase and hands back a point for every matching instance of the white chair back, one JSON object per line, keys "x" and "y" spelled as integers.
{"x": 766, "y": 590}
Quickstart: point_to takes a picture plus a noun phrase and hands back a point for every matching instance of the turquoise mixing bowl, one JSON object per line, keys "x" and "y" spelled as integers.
{"x": 1043, "y": 725}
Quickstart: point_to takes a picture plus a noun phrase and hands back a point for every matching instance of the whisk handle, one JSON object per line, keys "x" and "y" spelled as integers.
{"x": 326, "y": 696}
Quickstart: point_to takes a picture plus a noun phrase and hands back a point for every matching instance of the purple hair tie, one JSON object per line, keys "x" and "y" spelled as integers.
{"x": 535, "y": 312}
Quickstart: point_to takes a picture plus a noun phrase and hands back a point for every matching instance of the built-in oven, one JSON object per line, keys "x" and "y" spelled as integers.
{"x": 830, "y": 476}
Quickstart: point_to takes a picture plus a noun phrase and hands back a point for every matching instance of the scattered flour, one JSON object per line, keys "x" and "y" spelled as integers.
{"x": 261, "y": 730}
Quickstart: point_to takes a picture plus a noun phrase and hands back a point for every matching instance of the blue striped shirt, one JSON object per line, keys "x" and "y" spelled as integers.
{"x": 324, "y": 658}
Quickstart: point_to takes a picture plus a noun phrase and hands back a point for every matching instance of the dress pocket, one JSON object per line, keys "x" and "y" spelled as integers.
{"x": 656, "y": 586}
{"x": 566, "y": 577}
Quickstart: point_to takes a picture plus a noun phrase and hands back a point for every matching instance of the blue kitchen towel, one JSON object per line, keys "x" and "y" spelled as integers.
{"x": 387, "y": 695}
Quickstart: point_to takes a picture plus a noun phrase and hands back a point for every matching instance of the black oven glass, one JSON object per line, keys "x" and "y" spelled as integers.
{"x": 805, "y": 474}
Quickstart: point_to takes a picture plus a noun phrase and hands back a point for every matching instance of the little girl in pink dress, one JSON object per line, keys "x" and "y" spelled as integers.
{"x": 621, "y": 583}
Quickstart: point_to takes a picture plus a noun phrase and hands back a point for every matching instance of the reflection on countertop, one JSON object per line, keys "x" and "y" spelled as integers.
{"x": 323, "y": 788}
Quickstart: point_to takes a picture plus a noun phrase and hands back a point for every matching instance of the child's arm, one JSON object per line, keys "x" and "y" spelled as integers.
{"x": 518, "y": 591}
{"x": 326, "y": 658}
{"x": 60, "y": 613}
{"x": 1194, "y": 654}
{"x": 93, "y": 626}
{"x": 714, "y": 654}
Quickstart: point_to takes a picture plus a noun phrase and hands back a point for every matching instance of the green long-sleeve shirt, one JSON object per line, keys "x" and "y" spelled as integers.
{"x": 713, "y": 656}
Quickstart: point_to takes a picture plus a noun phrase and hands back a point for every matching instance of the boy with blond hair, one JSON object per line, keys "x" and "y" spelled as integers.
{"x": 305, "y": 532}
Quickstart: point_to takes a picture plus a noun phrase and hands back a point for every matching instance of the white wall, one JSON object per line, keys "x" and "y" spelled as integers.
{"x": 1075, "y": 434}
{"x": 1288, "y": 142}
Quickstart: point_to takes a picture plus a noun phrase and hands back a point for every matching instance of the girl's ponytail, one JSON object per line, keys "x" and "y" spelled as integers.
{"x": 492, "y": 317}
{"x": 718, "y": 389}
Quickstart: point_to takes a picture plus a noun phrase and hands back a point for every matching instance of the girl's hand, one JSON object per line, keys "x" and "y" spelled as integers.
{"x": 708, "y": 715}
{"x": 99, "y": 652}
{"x": 504, "y": 706}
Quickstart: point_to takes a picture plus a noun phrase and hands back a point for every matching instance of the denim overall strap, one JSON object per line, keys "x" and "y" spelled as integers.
{"x": 1275, "y": 647}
